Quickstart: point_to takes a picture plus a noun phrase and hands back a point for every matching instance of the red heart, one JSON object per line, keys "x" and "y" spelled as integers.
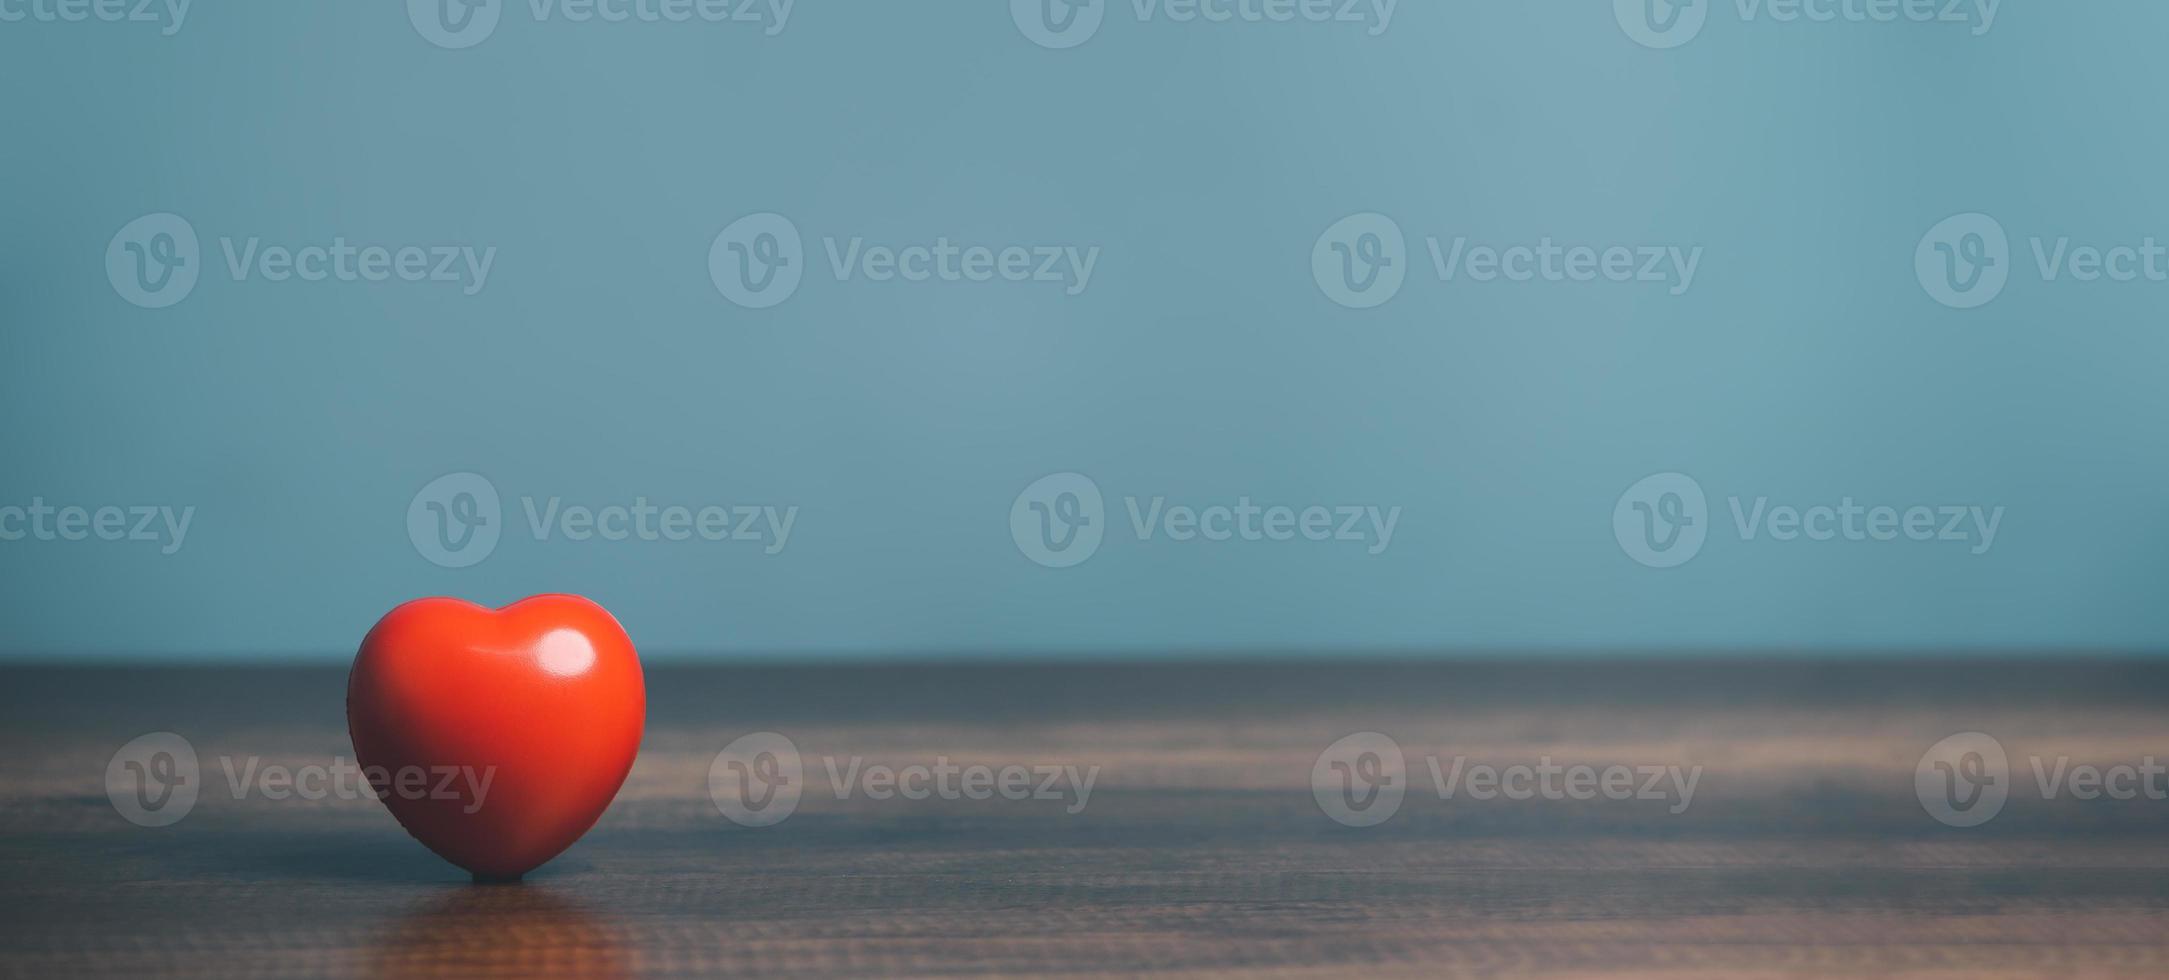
{"x": 496, "y": 736}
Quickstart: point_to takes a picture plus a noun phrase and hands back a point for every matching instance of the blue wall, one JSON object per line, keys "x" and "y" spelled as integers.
{"x": 1220, "y": 351}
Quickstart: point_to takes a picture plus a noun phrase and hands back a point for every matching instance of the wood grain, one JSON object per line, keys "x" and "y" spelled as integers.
{"x": 1201, "y": 850}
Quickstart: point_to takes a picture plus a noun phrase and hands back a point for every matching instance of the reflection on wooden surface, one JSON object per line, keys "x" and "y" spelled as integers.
{"x": 503, "y": 931}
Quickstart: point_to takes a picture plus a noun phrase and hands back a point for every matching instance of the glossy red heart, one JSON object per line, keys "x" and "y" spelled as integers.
{"x": 496, "y": 736}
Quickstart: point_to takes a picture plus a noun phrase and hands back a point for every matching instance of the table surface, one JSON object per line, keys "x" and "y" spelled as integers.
{"x": 1201, "y": 849}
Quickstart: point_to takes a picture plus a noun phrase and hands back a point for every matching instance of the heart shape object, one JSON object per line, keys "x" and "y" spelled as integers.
{"x": 496, "y": 736}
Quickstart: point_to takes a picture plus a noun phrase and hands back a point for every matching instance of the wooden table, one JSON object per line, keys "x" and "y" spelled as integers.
{"x": 1202, "y": 848}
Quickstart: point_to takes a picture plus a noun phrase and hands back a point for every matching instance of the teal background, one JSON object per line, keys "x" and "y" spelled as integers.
{"x": 1203, "y": 363}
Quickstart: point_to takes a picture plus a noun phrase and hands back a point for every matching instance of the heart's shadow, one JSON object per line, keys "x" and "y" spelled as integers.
{"x": 383, "y": 858}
